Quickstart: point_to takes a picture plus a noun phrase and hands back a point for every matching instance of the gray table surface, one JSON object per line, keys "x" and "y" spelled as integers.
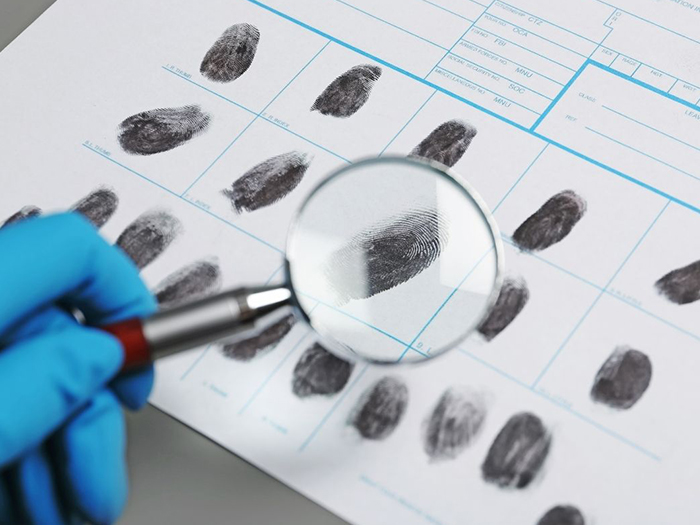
{"x": 178, "y": 476}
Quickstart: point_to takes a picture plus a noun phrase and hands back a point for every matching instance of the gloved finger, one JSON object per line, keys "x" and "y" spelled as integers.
{"x": 51, "y": 318}
{"x": 50, "y": 376}
{"x": 34, "y": 492}
{"x": 92, "y": 464}
{"x": 63, "y": 257}
{"x": 133, "y": 388}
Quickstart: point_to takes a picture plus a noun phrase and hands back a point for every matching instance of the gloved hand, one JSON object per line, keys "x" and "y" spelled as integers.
{"x": 62, "y": 432}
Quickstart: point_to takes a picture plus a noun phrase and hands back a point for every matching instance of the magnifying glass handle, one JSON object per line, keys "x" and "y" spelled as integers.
{"x": 194, "y": 324}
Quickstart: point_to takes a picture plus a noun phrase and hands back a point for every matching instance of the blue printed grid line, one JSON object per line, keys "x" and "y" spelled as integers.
{"x": 539, "y": 36}
{"x": 486, "y": 89}
{"x": 558, "y": 97}
{"x": 273, "y": 373}
{"x": 672, "y": 86}
{"x": 363, "y": 322}
{"x": 562, "y": 406}
{"x": 650, "y": 127}
{"x": 446, "y": 10}
{"x": 507, "y": 59}
{"x": 444, "y": 304}
{"x": 500, "y": 76}
{"x": 495, "y": 35}
{"x": 238, "y": 228}
{"x": 219, "y": 95}
{"x": 457, "y": 42}
{"x": 195, "y": 363}
{"x": 548, "y": 22}
{"x": 510, "y": 242}
{"x": 407, "y": 123}
{"x": 641, "y": 84}
{"x": 640, "y": 152}
{"x": 348, "y": 4}
{"x": 335, "y": 406}
{"x": 515, "y": 184}
{"x": 556, "y": 355}
{"x": 257, "y": 115}
{"x": 686, "y": 37}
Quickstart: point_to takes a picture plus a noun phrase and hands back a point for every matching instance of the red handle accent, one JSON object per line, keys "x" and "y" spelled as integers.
{"x": 136, "y": 349}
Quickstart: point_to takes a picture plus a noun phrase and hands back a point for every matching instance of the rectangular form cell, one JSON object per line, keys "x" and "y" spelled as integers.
{"x": 496, "y": 83}
{"x": 508, "y": 69}
{"x": 468, "y": 9}
{"x": 654, "y": 77}
{"x": 631, "y": 129}
{"x": 686, "y": 92}
{"x": 483, "y": 97}
{"x": 604, "y": 55}
{"x": 411, "y": 19}
{"x": 531, "y": 41}
{"x": 525, "y": 58}
{"x": 542, "y": 28}
{"x": 625, "y": 65}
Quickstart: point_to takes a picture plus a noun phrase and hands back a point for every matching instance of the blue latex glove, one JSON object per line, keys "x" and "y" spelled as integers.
{"x": 62, "y": 432}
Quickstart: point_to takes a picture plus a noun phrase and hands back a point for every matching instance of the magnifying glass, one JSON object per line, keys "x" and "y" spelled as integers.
{"x": 389, "y": 260}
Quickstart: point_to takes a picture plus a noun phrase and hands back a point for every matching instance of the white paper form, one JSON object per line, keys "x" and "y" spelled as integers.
{"x": 593, "y": 100}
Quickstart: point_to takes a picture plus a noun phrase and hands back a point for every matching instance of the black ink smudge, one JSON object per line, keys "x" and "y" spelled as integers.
{"x": 623, "y": 378}
{"x": 518, "y": 452}
{"x": 148, "y": 236}
{"x": 268, "y": 182}
{"x": 348, "y": 93}
{"x": 380, "y": 409}
{"x": 511, "y": 300}
{"x": 386, "y": 255}
{"x": 681, "y": 286}
{"x": 98, "y": 207}
{"x": 192, "y": 282}
{"x": 232, "y": 54}
{"x": 447, "y": 143}
{"x": 454, "y": 424}
{"x": 26, "y": 212}
{"x": 265, "y": 341}
{"x": 562, "y": 515}
{"x": 160, "y": 130}
{"x": 551, "y": 223}
{"x": 319, "y": 372}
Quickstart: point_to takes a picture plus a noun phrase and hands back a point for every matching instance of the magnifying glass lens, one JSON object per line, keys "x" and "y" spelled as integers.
{"x": 394, "y": 260}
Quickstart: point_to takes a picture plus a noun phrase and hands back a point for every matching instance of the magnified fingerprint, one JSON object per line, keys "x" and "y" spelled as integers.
{"x": 518, "y": 452}
{"x": 386, "y": 255}
{"x": 380, "y": 409}
{"x": 99, "y": 206}
{"x": 562, "y": 515}
{"x": 319, "y": 372}
{"x": 192, "y": 282}
{"x": 265, "y": 341}
{"x": 551, "y": 223}
{"x": 25, "y": 213}
{"x": 511, "y": 301}
{"x": 160, "y": 130}
{"x": 453, "y": 424}
{"x": 232, "y": 54}
{"x": 447, "y": 143}
{"x": 348, "y": 93}
{"x": 681, "y": 286}
{"x": 623, "y": 378}
{"x": 148, "y": 236}
{"x": 268, "y": 182}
